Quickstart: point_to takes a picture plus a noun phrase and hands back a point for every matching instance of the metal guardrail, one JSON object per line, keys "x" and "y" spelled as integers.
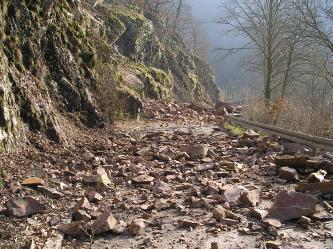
{"x": 312, "y": 141}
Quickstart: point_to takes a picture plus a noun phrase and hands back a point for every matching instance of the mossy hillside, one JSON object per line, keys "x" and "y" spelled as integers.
{"x": 51, "y": 55}
{"x": 114, "y": 28}
{"x": 137, "y": 34}
{"x": 157, "y": 83}
{"x": 44, "y": 44}
{"x": 146, "y": 42}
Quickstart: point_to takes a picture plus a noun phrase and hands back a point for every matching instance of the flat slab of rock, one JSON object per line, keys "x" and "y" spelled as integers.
{"x": 229, "y": 222}
{"x": 23, "y": 207}
{"x": 323, "y": 187}
{"x": 204, "y": 167}
{"x": 292, "y": 148}
{"x": 292, "y": 205}
{"x": 292, "y": 161}
{"x": 161, "y": 187}
{"x": 195, "y": 150}
{"x": 145, "y": 179}
{"x": 233, "y": 194}
{"x": 75, "y": 229}
{"x": 104, "y": 223}
{"x": 288, "y": 174}
{"x": 33, "y": 181}
{"x": 272, "y": 222}
{"x": 320, "y": 164}
{"x": 187, "y": 223}
{"x": 52, "y": 193}
{"x": 90, "y": 179}
{"x": 81, "y": 215}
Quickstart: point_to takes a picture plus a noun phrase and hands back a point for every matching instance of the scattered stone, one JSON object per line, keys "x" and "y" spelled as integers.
{"x": 162, "y": 204}
{"x": 137, "y": 226}
{"x": 52, "y": 193}
{"x": 328, "y": 206}
{"x": 54, "y": 242}
{"x": 214, "y": 245}
{"x": 143, "y": 179}
{"x": 33, "y": 181}
{"x": 143, "y": 151}
{"x": 23, "y": 207}
{"x": 30, "y": 244}
{"x": 94, "y": 214}
{"x": 231, "y": 215}
{"x": 251, "y": 198}
{"x": 90, "y": 179}
{"x": 204, "y": 167}
{"x": 104, "y": 223}
{"x": 233, "y": 194}
{"x": 292, "y": 148}
{"x": 187, "y": 223}
{"x": 82, "y": 204}
{"x": 161, "y": 187}
{"x": 94, "y": 197}
{"x": 304, "y": 220}
{"x": 55, "y": 220}
{"x": 163, "y": 157}
{"x": 292, "y": 161}
{"x": 292, "y": 205}
{"x": 288, "y": 174}
{"x": 250, "y": 134}
{"x": 248, "y": 142}
{"x": 258, "y": 213}
{"x": 196, "y": 150}
{"x": 184, "y": 186}
{"x": 81, "y": 215}
{"x": 219, "y": 212}
{"x": 75, "y": 229}
{"x": 229, "y": 222}
{"x": 325, "y": 187}
{"x": 103, "y": 179}
{"x": 207, "y": 160}
{"x": 272, "y": 222}
{"x": 317, "y": 176}
{"x": 120, "y": 227}
{"x": 272, "y": 245}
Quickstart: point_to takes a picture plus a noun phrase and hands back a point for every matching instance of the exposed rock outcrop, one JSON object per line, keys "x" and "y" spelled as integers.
{"x": 64, "y": 59}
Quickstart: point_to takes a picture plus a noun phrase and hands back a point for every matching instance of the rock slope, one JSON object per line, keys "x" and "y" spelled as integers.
{"x": 65, "y": 60}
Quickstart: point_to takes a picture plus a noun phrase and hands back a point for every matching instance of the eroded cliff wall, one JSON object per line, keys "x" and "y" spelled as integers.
{"x": 67, "y": 60}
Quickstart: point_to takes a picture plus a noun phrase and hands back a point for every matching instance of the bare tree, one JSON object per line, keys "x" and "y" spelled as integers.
{"x": 317, "y": 19}
{"x": 264, "y": 23}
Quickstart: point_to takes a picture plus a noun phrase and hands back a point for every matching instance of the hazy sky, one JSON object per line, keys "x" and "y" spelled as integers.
{"x": 207, "y": 12}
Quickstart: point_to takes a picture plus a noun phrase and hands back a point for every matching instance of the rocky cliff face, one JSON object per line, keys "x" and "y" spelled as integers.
{"x": 64, "y": 60}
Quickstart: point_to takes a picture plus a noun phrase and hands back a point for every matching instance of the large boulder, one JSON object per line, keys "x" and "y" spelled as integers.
{"x": 292, "y": 205}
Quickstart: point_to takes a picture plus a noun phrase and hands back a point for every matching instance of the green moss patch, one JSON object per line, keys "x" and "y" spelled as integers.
{"x": 234, "y": 130}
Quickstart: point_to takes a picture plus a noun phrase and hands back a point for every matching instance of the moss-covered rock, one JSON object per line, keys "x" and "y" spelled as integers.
{"x": 157, "y": 52}
{"x": 58, "y": 57}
